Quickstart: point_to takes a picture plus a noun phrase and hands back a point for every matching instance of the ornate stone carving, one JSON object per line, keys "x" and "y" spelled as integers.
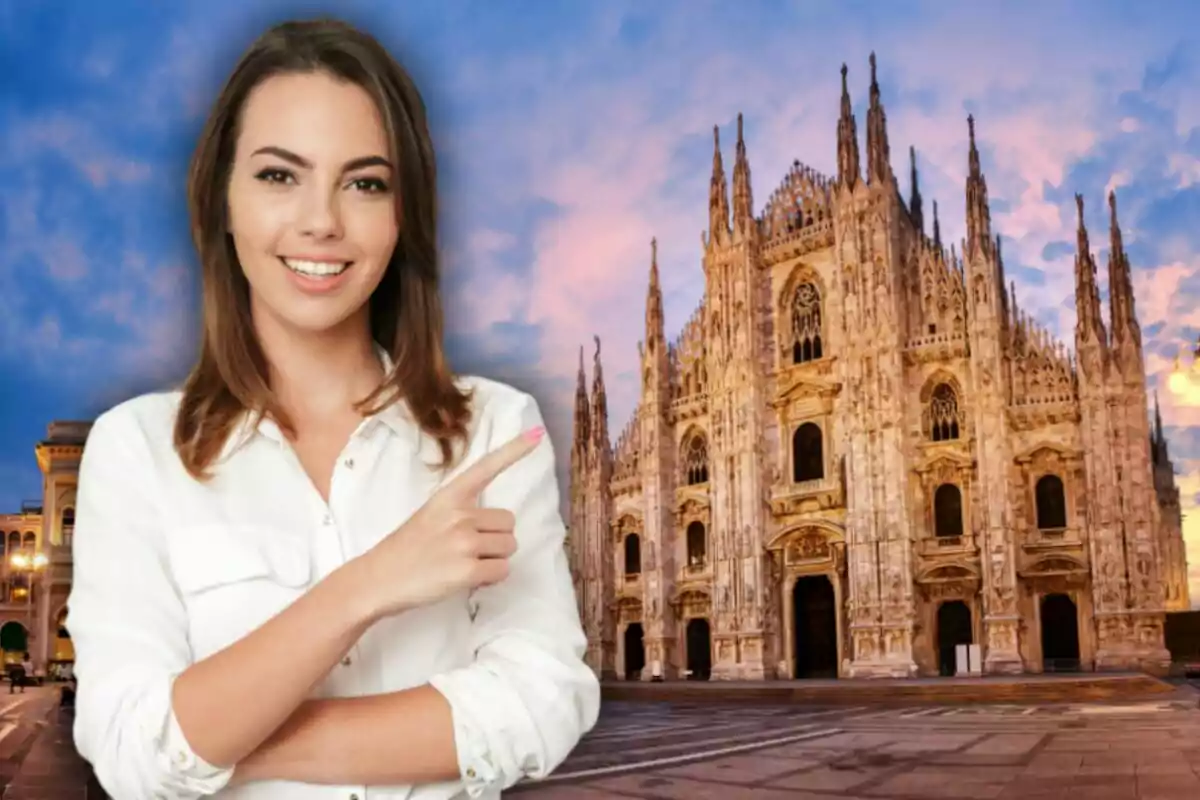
{"x": 811, "y": 546}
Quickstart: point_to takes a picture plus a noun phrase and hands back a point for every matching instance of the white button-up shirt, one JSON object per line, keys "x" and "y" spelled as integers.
{"x": 168, "y": 571}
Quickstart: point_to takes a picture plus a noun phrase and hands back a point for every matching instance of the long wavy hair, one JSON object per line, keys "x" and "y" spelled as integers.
{"x": 230, "y": 377}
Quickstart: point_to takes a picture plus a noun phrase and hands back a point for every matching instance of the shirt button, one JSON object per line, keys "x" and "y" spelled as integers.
{"x": 349, "y": 462}
{"x": 470, "y": 772}
{"x": 327, "y": 520}
{"x": 353, "y": 797}
{"x": 346, "y": 661}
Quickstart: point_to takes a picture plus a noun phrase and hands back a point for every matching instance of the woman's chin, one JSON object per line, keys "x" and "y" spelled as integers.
{"x": 315, "y": 318}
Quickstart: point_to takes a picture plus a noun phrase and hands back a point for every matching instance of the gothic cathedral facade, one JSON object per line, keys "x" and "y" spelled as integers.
{"x": 861, "y": 453}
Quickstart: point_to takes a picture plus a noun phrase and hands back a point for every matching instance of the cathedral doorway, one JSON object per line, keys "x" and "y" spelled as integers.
{"x": 635, "y": 651}
{"x": 1060, "y": 634}
{"x": 814, "y": 628}
{"x": 953, "y": 629}
{"x": 699, "y": 649}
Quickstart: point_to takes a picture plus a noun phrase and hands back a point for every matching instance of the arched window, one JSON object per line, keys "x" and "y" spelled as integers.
{"x": 697, "y": 544}
{"x": 943, "y": 414}
{"x": 806, "y": 324}
{"x": 695, "y": 460}
{"x": 1051, "y": 502}
{"x": 808, "y": 453}
{"x": 633, "y": 555}
{"x": 947, "y": 511}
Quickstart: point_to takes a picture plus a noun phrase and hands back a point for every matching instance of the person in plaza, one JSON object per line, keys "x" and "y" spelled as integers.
{"x": 326, "y": 563}
{"x": 17, "y": 675}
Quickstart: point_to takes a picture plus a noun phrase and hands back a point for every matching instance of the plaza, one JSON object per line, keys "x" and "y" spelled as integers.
{"x": 1102, "y": 750}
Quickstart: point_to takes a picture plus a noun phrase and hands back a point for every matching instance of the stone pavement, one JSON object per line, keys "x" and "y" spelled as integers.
{"x": 712, "y": 750}
{"x": 1089, "y": 751}
{"x": 51, "y": 769}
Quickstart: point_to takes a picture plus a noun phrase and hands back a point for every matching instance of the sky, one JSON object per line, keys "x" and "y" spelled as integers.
{"x": 569, "y": 135}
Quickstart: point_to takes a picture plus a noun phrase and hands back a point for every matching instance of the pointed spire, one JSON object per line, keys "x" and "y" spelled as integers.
{"x": 914, "y": 201}
{"x": 599, "y": 410}
{"x": 1122, "y": 315}
{"x": 879, "y": 158}
{"x": 654, "y": 304}
{"x": 1001, "y": 281}
{"x": 582, "y": 414}
{"x": 937, "y": 229}
{"x": 979, "y": 226}
{"x": 718, "y": 196}
{"x": 849, "y": 170}
{"x": 743, "y": 201}
{"x": 1088, "y": 324}
{"x": 1158, "y": 426}
{"x": 1015, "y": 319}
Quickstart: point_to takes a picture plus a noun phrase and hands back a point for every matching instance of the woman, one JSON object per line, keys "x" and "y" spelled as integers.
{"x": 324, "y": 564}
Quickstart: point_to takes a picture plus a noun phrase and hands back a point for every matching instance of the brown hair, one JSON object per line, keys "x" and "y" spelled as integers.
{"x": 230, "y": 377}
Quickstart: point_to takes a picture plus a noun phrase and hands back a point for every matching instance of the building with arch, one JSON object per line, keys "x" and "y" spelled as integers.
{"x": 860, "y": 453}
{"x": 33, "y": 602}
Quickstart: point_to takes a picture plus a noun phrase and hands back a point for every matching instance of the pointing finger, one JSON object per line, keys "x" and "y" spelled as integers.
{"x": 476, "y": 477}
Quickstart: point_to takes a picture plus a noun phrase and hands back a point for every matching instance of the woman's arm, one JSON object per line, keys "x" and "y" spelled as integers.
{"x": 517, "y": 711}
{"x": 150, "y": 721}
{"x": 394, "y": 739}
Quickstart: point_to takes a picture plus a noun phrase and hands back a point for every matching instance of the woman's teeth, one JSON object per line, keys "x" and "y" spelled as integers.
{"x": 318, "y": 269}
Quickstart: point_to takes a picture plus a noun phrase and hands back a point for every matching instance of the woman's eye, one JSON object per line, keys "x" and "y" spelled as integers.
{"x": 274, "y": 176}
{"x": 370, "y": 185}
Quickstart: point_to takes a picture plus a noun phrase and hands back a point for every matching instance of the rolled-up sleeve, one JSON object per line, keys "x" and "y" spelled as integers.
{"x": 528, "y": 697}
{"x": 128, "y": 625}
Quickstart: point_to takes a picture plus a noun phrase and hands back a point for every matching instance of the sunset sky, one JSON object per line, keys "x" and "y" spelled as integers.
{"x": 569, "y": 135}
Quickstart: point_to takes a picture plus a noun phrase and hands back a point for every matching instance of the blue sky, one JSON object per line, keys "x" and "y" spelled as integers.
{"x": 569, "y": 134}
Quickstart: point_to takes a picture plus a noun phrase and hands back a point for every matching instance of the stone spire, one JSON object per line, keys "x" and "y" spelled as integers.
{"x": 655, "y": 331}
{"x": 743, "y": 200}
{"x": 915, "y": 209}
{"x": 979, "y": 225}
{"x": 849, "y": 170}
{"x": 1159, "y": 440}
{"x": 1089, "y": 326}
{"x": 879, "y": 154}
{"x": 599, "y": 410}
{"x": 718, "y": 196}
{"x": 1122, "y": 316}
{"x": 1002, "y": 284}
{"x": 937, "y": 229}
{"x": 582, "y": 415}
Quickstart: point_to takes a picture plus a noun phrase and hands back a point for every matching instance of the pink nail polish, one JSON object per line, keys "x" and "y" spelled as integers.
{"x": 535, "y": 434}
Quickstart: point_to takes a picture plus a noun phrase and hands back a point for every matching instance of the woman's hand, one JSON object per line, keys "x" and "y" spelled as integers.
{"x": 449, "y": 544}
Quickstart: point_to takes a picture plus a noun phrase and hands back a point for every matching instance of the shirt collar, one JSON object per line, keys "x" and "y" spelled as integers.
{"x": 397, "y": 416}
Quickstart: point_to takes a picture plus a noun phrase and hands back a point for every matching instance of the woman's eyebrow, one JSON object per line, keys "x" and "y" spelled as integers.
{"x": 300, "y": 161}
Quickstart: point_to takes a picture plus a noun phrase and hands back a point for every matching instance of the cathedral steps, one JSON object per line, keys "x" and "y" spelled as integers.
{"x": 1082, "y": 688}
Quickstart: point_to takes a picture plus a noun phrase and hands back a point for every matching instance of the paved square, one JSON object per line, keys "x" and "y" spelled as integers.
{"x": 1100, "y": 751}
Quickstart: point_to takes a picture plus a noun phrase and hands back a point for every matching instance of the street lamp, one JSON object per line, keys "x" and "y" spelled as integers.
{"x": 30, "y": 565}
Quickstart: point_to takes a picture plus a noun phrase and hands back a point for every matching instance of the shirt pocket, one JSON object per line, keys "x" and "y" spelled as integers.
{"x": 233, "y": 578}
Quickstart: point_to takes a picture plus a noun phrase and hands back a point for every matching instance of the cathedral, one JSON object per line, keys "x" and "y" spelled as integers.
{"x": 860, "y": 453}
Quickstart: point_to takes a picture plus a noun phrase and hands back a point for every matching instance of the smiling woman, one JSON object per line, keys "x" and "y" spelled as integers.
{"x": 322, "y": 207}
{"x": 347, "y": 567}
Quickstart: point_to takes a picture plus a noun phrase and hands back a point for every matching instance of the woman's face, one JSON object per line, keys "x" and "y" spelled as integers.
{"x": 312, "y": 209}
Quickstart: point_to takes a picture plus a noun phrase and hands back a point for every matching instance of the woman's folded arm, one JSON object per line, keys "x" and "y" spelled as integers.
{"x": 150, "y": 721}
